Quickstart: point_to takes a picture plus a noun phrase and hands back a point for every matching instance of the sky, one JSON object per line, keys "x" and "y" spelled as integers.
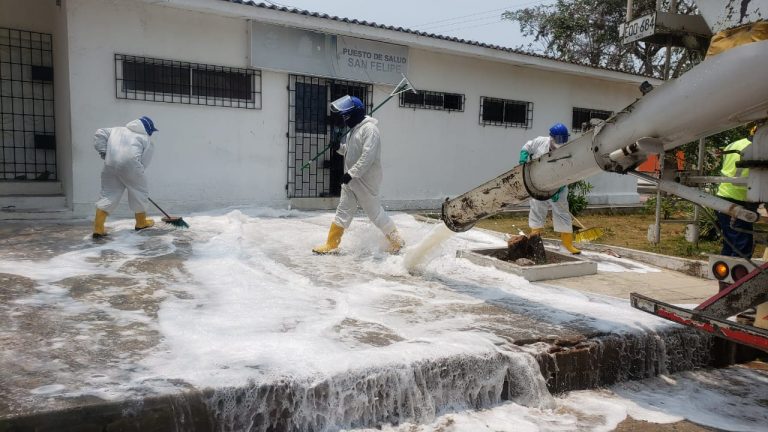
{"x": 477, "y": 21}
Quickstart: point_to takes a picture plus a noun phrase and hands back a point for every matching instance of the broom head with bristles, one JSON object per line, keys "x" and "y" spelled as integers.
{"x": 588, "y": 234}
{"x": 176, "y": 221}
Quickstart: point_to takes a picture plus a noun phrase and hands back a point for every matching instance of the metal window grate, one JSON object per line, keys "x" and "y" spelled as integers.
{"x": 171, "y": 81}
{"x": 507, "y": 113}
{"x": 582, "y": 117}
{"x": 433, "y": 100}
{"x": 27, "y": 127}
{"x": 311, "y": 128}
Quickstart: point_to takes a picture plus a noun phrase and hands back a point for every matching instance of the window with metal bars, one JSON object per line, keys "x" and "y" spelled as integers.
{"x": 27, "y": 127}
{"x": 158, "y": 80}
{"x": 507, "y": 113}
{"x": 582, "y": 117}
{"x": 433, "y": 100}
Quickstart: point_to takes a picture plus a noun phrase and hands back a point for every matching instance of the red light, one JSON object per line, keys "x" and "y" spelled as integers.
{"x": 738, "y": 271}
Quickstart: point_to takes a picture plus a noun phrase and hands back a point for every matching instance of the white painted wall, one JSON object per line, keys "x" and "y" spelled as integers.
{"x": 443, "y": 153}
{"x": 213, "y": 157}
{"x": 206, "y": 157}
{"x": 30, "y": 15}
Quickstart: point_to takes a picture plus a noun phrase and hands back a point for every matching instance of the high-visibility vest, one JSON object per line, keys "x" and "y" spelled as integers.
{"x": 731, "y": 156}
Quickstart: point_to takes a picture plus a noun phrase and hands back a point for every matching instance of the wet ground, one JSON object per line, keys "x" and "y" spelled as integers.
{"x": 239, "y": 299}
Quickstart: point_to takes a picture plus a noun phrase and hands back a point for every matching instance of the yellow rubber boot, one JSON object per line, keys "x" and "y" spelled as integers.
{"x": 567, "y": 239}
{"x": 98, "y": 224}
{"x": 535, "y": 231}
{"x": 395, "y": 242}
{"x": 334, "y": 239}
{"x": 142, "y": 221}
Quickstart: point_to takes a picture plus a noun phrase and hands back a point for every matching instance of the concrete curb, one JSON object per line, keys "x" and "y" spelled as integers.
{"x": 696, "y": 268}
{"x": 369, "y": 398}
{"x": 687, "y": 266}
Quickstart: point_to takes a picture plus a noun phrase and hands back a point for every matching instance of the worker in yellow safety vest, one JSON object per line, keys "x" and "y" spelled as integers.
{"x": 737, "y": 234}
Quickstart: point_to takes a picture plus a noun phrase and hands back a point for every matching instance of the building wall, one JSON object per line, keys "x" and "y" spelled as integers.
{"x": 447, "y": 153}
{"x": 206, "y": 157}
{"x": 210, "y": 157}
{"x": 30, "y": 15}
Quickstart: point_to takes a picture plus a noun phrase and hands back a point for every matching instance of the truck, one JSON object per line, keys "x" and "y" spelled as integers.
{"x": 722, "y": 92}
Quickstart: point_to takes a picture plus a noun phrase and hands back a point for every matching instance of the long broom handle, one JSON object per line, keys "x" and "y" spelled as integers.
{"x": 577, "y": 221}
{"x": 303, "y": 167}
{"x": 158, "y": 207}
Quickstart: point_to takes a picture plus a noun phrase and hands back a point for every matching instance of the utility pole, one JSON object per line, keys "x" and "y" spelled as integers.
{"x": 657, "y": 226}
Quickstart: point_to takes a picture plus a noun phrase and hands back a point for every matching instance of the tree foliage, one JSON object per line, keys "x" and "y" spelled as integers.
{"x": 587, "y": 32}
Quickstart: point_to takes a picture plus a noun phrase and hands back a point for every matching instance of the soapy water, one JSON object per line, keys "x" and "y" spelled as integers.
{"x": 731, "y": 399}
{"x": 258, "y": 272}
{"x": 240, "y": 298}
{"x": 415, "y": 255}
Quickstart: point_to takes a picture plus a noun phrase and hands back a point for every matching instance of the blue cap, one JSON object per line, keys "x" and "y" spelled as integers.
{"x": 149, "y": 125}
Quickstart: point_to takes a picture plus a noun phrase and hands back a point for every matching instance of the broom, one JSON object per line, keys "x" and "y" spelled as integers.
{"x": 584, "y": 234}
{"x": 173, "y": 220}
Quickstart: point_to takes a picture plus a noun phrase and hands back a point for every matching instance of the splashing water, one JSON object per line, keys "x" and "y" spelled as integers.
{"x": 416, "y": 255}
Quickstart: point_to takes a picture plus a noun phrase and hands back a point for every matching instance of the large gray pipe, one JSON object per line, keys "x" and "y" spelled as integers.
{"x": 720, "y": 93}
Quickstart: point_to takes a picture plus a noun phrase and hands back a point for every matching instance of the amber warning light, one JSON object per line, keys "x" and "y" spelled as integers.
{"x": 720, "y": 270}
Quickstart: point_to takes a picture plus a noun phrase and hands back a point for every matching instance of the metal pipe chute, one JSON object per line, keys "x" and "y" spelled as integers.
{"x": 701, "y": 198}
{"x": 720, "y": 93}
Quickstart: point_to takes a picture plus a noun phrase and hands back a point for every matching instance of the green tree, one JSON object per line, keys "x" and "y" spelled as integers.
{"x": 587, "y": 32}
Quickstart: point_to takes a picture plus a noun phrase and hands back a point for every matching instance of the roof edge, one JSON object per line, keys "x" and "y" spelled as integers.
{"x": 313, "y": 21}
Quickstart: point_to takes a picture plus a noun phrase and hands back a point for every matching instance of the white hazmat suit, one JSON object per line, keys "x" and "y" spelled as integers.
{"x": 537, "y": 217}
{"x": 126, "y": 151}
{"x": 361, "y": 148}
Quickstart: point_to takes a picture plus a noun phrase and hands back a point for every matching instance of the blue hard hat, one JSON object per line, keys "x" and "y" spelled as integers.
{"x": 560, "y": 133}
{"x": 149, "y": 125}
{"x": 346, "y": 106}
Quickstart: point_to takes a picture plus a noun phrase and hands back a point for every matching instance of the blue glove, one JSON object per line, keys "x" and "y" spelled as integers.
{"x": 524, "y": 155}
{"x": 556, "y": 196}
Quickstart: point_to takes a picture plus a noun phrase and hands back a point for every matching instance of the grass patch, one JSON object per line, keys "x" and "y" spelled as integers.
{"x": 625, "y": 230}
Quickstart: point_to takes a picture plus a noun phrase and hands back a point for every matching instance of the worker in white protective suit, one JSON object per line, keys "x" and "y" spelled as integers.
{"x": 561, "y": 215}
{"x": 127, "y": 152}
{"x": 361, "y": 148}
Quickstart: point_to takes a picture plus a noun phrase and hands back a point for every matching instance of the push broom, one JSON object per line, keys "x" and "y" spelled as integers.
{"x": 584, "y": 234}
{"x": 176, "y": 221}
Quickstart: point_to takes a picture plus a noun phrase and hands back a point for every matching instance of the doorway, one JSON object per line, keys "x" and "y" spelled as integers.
{"x": 311, "y": 128}
{"x": 27, "y": 134}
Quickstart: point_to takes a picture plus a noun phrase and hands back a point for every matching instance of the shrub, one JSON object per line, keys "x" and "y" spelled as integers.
{"x": 577, "y": 196}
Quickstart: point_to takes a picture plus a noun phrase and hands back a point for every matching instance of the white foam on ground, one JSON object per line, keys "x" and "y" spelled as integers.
{"x": 607, "y": 263}
{"x": 254, "y": 302}
{"x": 731, "y": 399}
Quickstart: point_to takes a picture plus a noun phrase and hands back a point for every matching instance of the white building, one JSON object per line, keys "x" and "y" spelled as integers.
{"x": 240, "y": 90}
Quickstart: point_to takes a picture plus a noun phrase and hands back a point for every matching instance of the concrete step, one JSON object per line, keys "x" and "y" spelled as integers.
{"x": 14, "y": 187}
{"x": 37, "y": 214}
{"x": 32, "y": 202}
